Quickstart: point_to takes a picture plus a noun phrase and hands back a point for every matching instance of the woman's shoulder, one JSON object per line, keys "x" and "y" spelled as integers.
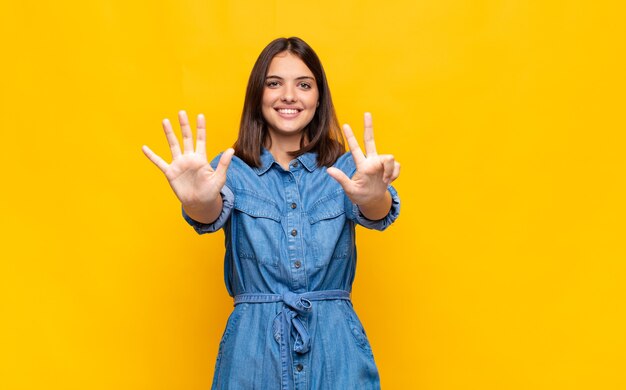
{"x": 345, "y": 162}
{"x": 239, "y": 173}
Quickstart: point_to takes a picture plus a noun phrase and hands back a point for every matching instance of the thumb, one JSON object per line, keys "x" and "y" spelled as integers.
{"x": 222, "y": 165}
{"x": 341, "y": 178}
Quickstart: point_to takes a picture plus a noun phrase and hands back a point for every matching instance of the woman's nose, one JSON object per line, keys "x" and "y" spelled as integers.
{"x": 289, "y": 95}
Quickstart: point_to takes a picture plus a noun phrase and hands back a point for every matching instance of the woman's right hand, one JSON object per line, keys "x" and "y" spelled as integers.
{"x": 190, "y": 175}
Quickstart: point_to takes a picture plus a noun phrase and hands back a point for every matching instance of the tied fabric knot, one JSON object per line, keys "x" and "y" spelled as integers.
{"x": 295, "y": 308}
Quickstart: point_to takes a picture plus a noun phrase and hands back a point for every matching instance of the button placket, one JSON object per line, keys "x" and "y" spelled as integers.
{"x": 294, "y": 239}
{"x": 300, "y": 374}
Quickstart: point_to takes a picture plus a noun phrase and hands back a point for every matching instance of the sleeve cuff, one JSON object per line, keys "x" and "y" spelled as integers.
{"x": 228, "y": 200}
{"x": 384, "y": 222}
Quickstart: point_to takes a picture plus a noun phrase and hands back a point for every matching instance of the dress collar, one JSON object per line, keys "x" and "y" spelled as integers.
{"x": 308, "y": 160}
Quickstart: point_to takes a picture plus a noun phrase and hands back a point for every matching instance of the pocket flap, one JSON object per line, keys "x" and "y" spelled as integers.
{"x": 255, "y": 205}
{"x": 330, "y": 206}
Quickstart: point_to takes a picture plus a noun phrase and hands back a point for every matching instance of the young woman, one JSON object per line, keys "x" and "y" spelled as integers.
{"x": 288, "y": 198}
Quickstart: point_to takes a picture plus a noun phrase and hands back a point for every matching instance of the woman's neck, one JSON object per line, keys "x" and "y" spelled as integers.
{"x": 281, "y": 146}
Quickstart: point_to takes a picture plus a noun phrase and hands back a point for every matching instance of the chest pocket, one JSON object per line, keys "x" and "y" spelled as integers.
{"x": 257, "y": 228}
{"x": 331, "y": 237}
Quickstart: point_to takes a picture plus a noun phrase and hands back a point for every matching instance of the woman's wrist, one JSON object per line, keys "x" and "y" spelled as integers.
{"x": 376, "y": 209}
{"x": 206, "y": 212}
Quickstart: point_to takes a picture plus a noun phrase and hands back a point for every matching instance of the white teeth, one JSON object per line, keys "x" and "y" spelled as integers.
{"x": 287, "y": 111}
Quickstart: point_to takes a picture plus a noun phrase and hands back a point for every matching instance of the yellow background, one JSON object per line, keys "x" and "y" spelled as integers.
{"x": 506, "y": 269}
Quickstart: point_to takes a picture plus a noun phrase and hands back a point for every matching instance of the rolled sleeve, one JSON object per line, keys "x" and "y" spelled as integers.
{"x": 384, "y": 222}
{"x": 228, "y": 200}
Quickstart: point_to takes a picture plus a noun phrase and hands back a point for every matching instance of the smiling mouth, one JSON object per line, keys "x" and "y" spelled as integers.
{"x": 287, "y": 111}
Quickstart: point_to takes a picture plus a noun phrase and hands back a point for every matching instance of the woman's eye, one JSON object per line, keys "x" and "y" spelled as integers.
{"x": 272, "y": 84}
{"x": 305, "y": 85}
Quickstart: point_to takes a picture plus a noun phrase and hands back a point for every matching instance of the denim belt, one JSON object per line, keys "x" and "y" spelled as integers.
{"x": 295, "y": 306}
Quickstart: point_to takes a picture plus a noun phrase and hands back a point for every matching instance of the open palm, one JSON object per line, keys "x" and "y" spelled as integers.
{"x": 374, "y": 172}
{"x": 190, "y": 175}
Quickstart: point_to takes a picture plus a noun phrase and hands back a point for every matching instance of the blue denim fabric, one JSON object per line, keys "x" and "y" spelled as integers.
{"x": 290, "y": 262}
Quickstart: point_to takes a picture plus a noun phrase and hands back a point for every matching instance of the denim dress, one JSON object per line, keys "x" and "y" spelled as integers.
{"x": 289, "y": 265}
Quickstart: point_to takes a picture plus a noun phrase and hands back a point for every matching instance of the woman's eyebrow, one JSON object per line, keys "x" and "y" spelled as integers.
{"x": 297, "y": 78}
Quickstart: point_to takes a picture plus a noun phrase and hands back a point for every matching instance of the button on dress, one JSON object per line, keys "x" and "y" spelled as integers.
{"x": 289, "y": 265}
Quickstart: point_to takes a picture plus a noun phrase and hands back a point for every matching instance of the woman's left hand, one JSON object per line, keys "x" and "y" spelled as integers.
{"x": 374, "y": 172}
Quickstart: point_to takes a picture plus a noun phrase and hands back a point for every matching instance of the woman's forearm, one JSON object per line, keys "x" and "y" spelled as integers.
{"x": 206, "y": 212}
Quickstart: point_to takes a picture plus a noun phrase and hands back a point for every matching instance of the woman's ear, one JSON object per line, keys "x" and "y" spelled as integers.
{"x": 317, "y": 104}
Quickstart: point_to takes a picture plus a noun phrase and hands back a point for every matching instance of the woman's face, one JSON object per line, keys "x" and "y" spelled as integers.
{"x": 290, "y": 96}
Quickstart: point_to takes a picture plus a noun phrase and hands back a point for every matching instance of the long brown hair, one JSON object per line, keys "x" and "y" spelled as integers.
{"x": 323, "y": 131}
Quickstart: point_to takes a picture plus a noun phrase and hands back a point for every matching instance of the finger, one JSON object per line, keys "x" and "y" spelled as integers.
{"x": 388, "y": 166}
{"x": 171, "y": 138}
{"x": 368, "y": 136}
{"x": 396, "y": 171}
{"x": 353, "y": 144}
{"x": 222, "y": 165}
{"x": 341, "y": 177}
{"x": 186, "y": 129}
{"x": 158, "y": 161}
{"x": 201, "y": 136}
